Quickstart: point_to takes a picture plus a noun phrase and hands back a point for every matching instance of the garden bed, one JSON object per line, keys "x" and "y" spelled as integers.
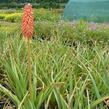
{"x": 69, "y": 65}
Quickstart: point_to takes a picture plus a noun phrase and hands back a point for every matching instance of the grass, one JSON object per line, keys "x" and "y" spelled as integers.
{"x": 69, "y": 66}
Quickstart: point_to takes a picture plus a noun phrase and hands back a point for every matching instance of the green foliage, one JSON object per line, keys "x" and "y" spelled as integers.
{"x": 64, "y": 75}
{"x": 11, "y": 5}
{"x": 72, "y": 33}
{"x": 44, "y": 30}
{"x": 13, "y": 17}
{"x": 8, "y": 27}
{"x": 37, "y": 1}
{"x": 50, "y": 5}
{"x": 46, "y": 15}
{"x": 39, "y": 14}
{"x": 2, "y": 16}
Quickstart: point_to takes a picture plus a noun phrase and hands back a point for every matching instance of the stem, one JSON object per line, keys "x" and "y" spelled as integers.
{"x": 29, "y": 68}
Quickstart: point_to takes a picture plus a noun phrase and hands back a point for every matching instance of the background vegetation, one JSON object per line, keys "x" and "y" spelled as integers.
{"x": 36, "y": 3}
{"x": 69, "y": 63}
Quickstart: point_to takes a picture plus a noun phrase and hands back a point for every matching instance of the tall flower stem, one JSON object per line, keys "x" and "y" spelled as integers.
{"x": 29, "y": 68}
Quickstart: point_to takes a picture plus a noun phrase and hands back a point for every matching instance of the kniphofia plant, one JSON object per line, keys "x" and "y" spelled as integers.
{"x": 27, "y": 32}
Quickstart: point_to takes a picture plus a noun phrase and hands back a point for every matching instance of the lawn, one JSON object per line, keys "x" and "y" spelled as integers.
{"x": 69, "y": 63}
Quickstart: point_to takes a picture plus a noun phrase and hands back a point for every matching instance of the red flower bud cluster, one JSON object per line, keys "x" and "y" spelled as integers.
{"x": 28, "y": 21}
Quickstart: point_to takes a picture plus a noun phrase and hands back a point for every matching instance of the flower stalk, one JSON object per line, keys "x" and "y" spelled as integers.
{"x": 27, "y": 32}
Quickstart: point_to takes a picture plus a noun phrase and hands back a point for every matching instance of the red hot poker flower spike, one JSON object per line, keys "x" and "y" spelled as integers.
{"x": 27, "y": 22}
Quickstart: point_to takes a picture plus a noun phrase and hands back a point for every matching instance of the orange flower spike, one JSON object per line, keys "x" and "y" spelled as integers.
{"x": 28, "y": 22}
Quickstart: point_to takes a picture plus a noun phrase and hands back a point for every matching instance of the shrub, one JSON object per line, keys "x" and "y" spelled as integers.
{"x": 2, "y": 16}
{"x": 13, "y": 17}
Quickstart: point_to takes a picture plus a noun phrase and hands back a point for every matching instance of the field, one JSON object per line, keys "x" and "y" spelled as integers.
{"x": 69, "y": 63}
